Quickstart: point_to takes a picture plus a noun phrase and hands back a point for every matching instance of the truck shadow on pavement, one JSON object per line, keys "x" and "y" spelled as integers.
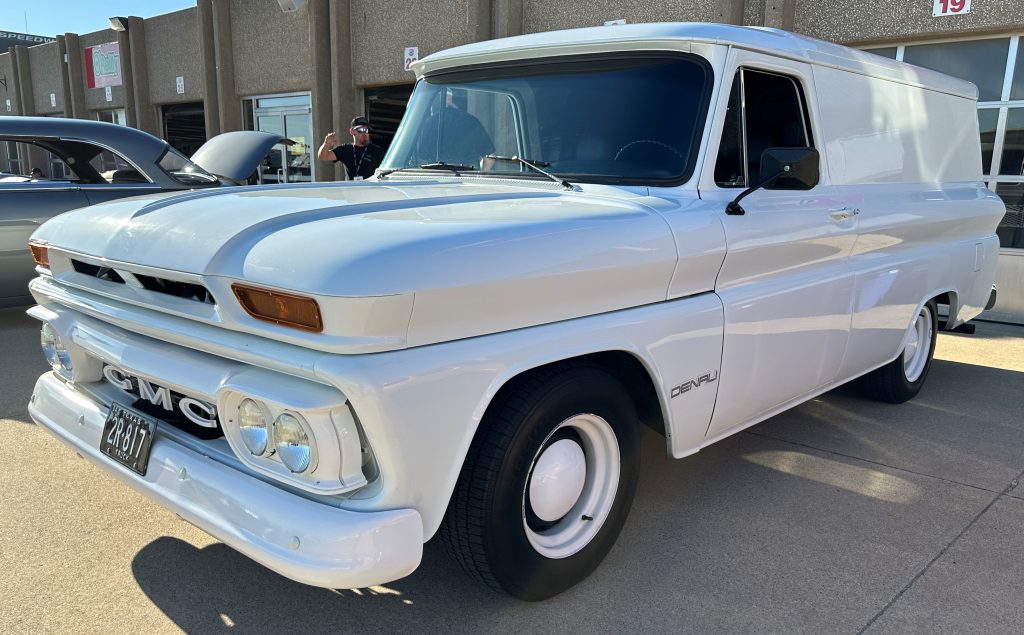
{"x": 810, "y": 521}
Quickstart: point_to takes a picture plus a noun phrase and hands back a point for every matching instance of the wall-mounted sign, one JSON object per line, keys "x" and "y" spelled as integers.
{"x": 615, "y": 22}
{"x": 950, "y": 7}
{"x": 108, "y": 94}
{"x": 412, "y": 53}
{"x": 53, "y": 100}
{"x": 179, "y": 85}
{"x": 103, "y": 65}
{"x": 8, "y": 105}
{"x": 9, "y": 39}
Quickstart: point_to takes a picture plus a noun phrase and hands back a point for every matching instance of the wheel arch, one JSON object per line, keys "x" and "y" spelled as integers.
{"x": 951, "y": 299}
{"x": 939, "y": 296}
{"x": 632, "y": 373}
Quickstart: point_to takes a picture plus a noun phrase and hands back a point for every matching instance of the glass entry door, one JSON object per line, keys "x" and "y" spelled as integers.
{"x": 289, "y": 116}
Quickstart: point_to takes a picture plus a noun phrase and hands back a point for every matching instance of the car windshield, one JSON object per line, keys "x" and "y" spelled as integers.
{"x": 620, "y": 119}
{"x": 184, "y": 171}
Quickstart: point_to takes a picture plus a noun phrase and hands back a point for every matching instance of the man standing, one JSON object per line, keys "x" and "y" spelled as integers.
{"x": 361, "y": 157}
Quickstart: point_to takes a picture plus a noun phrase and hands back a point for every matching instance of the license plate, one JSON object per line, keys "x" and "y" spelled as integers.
{"x": 127, "y": 437}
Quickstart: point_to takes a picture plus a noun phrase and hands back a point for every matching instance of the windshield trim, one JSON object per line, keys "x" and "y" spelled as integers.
{"x": 515, "y": 67}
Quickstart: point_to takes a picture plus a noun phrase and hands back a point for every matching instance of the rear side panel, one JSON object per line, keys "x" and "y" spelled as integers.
{"x": 907, "y": 159}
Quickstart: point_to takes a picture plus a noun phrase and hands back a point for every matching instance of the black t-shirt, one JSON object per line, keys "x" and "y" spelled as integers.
{"x": 359, "y": 161}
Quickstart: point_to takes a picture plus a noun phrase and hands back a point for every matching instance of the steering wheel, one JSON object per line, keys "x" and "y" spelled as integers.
{"x": 659, "y": 144}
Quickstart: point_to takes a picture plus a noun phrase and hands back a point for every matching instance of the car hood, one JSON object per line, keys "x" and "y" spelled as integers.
{"x": 466, "y": 258}
{"x": 234, "y": 156}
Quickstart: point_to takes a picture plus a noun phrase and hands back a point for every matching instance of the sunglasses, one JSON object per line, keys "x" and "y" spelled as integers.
{"x": 362, "y": 129}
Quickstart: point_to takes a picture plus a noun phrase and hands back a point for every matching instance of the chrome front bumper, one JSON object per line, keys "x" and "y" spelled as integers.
{"x": 301, "y": 539}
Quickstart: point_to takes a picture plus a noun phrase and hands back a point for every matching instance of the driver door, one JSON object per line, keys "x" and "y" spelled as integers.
{"x": 786, "y": 283}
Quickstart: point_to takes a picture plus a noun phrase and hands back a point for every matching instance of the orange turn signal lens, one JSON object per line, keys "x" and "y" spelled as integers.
{"x": 40, "y": 253}
{"x": 281, "y": 308}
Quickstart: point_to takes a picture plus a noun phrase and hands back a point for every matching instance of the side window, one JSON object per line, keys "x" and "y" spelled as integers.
{"x": 27, "y": 160}
{"x": 109, "y": 165}
{"x": 730, "y": 168}
{"x": 765, "y": 110}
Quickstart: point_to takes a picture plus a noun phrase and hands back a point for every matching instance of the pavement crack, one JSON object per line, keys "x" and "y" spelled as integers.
{"x": 941, "y": 553}
{"x": 880, "y": 464}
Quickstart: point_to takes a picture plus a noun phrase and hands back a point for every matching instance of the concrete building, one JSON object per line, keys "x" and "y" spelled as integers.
{"x": 305, "y": 67}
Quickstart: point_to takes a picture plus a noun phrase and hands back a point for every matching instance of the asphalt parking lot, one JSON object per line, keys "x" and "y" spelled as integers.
{"x": 840, "y": 516}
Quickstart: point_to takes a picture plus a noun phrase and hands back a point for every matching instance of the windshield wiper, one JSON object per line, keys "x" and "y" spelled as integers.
{"x": 440, "y": 165}
{"x": 453, "y": 167}
{"x": 534, "y": 165}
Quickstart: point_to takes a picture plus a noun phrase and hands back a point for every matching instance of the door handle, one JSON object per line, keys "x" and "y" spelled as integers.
{"x": 843, "y": 213}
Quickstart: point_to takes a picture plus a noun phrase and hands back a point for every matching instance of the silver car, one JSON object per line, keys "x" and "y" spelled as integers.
{"x": 51, "y": 165}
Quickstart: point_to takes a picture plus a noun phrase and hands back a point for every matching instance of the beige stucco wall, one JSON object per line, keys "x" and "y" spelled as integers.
{"x": 539, "y": 15}
{"x": 7, "y": 71}
{"x": 44, "y": 64}
{"x": 95, "y": 98}
{"x": 271, "y": 48}
{"x": 172, "y": 50}
{"x": 899, "y": 20}
{"x": 382, "y": 29}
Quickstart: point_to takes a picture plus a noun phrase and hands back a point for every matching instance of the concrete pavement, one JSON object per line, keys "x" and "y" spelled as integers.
{"x": 840, "y": 516}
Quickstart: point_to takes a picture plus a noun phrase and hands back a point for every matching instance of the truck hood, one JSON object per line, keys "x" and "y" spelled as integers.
{"x": 471, "y": 257}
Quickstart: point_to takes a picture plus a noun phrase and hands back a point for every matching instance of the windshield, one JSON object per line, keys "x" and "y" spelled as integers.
{"x": 608, "y": 120}
{"x": 184, "y": 171}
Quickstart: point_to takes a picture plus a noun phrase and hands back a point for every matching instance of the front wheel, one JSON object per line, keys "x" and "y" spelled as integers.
{"x": 547, "y": 483}
{"x": 901, "y": 379}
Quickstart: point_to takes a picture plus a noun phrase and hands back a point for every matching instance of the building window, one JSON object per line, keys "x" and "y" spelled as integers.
{"x": 112, "y": 116}
{"x": 996, "y": 66}
{"x": 980, "y": 61}
{"x": 12, "y": 159}
{"x": 290, "y": 116}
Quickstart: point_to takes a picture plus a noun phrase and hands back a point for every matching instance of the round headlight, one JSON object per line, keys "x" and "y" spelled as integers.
{"x": 293, "y": 443}
{"x": 53, "y": 349}
{"x": 252, "y": 423}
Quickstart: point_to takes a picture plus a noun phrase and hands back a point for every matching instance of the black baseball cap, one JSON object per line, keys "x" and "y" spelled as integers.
{"x": 359, "y": 121}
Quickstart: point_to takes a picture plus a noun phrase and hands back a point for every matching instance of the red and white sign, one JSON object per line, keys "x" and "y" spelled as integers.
{"x": 950, "y": 7}
{"x": 412, "y": 53}
{"x": 103, "y": 65}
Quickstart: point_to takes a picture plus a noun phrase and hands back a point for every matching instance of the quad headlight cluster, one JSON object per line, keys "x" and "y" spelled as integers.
{"x": 55, "y": 351}
{"x": 288, "y": 435}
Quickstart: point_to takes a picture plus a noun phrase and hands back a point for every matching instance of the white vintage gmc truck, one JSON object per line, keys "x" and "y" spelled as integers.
{"x": 691, "y": 227}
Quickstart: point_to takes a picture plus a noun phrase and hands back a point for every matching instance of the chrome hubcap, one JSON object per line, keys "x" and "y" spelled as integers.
{"x": 919, "y": 343}
{"x": 572, "y": 485}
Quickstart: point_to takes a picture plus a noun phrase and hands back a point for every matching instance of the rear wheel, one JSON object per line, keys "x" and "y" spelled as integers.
{"x": 547, "y": 483}
{"x": 901, "y": 379}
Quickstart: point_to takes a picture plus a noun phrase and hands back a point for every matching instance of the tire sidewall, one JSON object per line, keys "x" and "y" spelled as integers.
{"x": 522, "y": 571}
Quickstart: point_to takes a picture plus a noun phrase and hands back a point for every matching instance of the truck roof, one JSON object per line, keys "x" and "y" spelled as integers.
{"x": 762, "y": 39}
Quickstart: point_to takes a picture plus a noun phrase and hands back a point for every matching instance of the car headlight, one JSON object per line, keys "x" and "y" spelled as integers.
{"x": 252, "y": 423}
{"x": 53, "y": 349}
{"x": 294, "y": 444}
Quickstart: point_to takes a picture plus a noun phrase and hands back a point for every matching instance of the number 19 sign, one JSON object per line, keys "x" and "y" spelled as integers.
{"x": 950, "y": 7}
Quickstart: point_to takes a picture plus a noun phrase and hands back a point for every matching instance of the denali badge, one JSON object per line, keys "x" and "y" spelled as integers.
{"x": 198, "y": 412}
{"x": 687, "y": 386}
